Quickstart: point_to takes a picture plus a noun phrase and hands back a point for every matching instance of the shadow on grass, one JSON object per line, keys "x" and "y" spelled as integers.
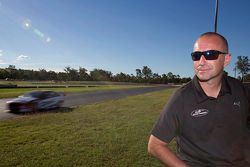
{"x": 57, "y": 110}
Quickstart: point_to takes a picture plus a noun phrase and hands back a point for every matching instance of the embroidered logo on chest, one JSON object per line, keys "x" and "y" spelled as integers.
{"x": 237, "y": 103}
{"x": 199, "y": 112}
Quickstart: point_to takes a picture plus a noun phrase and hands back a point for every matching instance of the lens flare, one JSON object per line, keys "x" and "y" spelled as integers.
{"x": 48, "y": 39}
{"x": 39, "y": 33}
{"x": 26, "y": 24}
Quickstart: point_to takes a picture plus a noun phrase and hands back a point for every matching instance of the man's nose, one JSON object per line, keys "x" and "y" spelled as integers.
{"x": 202, "y": 60}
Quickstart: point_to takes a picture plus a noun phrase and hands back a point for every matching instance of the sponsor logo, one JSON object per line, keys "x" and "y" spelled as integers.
{"x": 237, "y": 103}
{"x": 199, "y": 112}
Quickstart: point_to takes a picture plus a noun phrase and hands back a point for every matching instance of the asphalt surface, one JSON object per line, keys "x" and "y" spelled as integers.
{"x": 94, "y": 97}
{"x": 76, "y": 99}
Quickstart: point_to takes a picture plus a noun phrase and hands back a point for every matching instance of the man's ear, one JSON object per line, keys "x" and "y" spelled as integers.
{"x": 227, "y": 59}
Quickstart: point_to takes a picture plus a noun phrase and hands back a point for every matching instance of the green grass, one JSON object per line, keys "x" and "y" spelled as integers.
{"x": 14, "y": 92}
{"x": 113, "y": 133}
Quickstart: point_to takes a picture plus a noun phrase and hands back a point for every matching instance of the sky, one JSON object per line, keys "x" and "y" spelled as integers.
{"x": 117, "y": 35}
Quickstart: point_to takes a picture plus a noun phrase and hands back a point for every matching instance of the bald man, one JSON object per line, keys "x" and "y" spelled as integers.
{"x": 207, "y": 116}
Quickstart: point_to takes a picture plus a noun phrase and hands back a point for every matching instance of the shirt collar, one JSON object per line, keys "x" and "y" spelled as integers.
{"x": 201, "y": 95}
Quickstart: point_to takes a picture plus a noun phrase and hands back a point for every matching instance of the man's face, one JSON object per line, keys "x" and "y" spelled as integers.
{"x": 207, "y": 70}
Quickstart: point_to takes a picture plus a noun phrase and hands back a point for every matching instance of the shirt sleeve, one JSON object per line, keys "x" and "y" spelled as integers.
{"x": 247, "y": 90}
{"x": 169, "y": 123}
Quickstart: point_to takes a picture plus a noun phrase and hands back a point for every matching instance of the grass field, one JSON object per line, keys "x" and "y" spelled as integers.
{"x": 112, "y": 133}
{"x": 14, "y": 92}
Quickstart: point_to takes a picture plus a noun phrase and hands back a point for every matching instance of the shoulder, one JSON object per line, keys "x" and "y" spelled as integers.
{"x": 237, "y": 86}
{"x": 234, "y": 83}
{"x": 184, "y": 90}
{"x": 182, "y": 93}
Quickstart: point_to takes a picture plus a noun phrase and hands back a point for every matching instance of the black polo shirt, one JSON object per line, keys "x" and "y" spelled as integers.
{"x": 209, "y": 131}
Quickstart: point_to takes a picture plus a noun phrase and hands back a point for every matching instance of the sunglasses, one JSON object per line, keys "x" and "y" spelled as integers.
{"x": 209, "y": 55}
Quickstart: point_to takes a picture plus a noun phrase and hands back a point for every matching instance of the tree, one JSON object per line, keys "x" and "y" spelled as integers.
{"x": 12, "y": 67}
{"x": 122, "y": 77}
{"x": 83, "y": 75}
{"x": 147, "y": 72}
{"x": 100, "y": 75}
{"x": 62, "y": 76}
{"x": 43, "y": 74}
{"x": 71, "y": 73}
{"x": 4, "y": 74}
{"x": 185, "y": 80}
{"x": 12, "y": 71}
{"x": 156, "y": 78}
{"x": 52, "y": 75}
{"x": 171, "y": 77}
{"x": 243, "y": 65}
{"x": 177, "y": 79}
{"x": 165, "y": 79}
{"x": 138, "y": 75}
{"x": 247, "y": 78}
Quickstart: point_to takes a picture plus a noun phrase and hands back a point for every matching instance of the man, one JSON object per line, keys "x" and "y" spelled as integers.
{"x": 207, "y": 116}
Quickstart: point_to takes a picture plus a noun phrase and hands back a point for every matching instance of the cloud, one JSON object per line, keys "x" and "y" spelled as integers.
{"x": 21, "y": 57}
{"x": 1, "y": 55}
{"x": 2, "y": 62}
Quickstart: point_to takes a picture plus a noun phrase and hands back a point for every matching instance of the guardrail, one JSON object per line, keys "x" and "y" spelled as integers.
{"x": 8, "y": 86}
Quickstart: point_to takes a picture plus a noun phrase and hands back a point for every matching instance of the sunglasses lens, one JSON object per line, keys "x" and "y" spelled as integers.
{"x": 209, "y": 55}
{"x": 196, "y": 56}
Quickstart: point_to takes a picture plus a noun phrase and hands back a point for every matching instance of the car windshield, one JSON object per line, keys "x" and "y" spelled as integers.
{"x": 32, "y": 94}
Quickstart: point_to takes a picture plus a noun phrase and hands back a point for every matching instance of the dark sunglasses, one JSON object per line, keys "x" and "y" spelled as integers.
{"x": 209, "y": 55}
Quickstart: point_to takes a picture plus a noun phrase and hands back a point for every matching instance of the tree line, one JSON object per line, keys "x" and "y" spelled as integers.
{"x": 144, "y": 75}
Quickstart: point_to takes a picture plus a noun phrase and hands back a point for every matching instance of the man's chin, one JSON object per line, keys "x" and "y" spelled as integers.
{"x": 202, "y": 78}
{"x": 206, "y": 78}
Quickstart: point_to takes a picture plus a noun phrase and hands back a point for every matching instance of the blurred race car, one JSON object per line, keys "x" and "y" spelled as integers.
{"x": 36, "y": 100}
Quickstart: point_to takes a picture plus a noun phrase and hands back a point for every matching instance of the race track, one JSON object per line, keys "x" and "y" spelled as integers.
{"x": 76, "y": 99}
